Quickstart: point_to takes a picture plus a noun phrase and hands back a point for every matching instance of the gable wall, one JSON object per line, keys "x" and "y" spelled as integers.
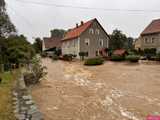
{"x": 94, "y": 39}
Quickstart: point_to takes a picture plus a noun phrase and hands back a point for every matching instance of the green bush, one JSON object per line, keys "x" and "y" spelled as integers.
{"x": 133, "y": 58}
{"x": 158, "y": 57}
{"x": 117, "y": 58}
{"x": 67, "y": 57}
{"x": 94, "y": 61}
{"x": 150, "y": 51}
{"x": 36, "y": 73}
{"x": 55, "y": 57}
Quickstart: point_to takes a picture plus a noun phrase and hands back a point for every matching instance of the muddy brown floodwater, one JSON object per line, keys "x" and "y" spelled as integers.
{"x": 113, "y": 91}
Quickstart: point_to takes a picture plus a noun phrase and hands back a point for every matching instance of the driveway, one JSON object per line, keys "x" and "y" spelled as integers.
{"x": 113, "y": 91}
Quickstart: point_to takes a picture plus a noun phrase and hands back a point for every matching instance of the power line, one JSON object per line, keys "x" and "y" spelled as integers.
{"x": 88, "y": 8}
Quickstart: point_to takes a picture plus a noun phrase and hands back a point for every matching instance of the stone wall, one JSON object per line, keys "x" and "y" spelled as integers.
{"x": 24, "y": 106}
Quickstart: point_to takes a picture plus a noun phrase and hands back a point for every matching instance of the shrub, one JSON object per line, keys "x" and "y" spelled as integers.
{"x": 94, "y": 61}
{"x": 67, "y": 57}
{"x": 82, "y": 55}
{"x": 158, "y": 57}
{"x": 43, "y": 54}
{"x": 55, "y": 57}
{"x": 133, "y": 58}
{"x": 149, "y": 53}
{"x": 36, "y": 73}
{"x": 117, "y": 58}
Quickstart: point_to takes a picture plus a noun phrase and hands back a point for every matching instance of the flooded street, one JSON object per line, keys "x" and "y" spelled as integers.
{"x": 113, "y": 91}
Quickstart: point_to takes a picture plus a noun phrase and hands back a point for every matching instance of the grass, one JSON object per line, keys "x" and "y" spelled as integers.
{"x": 8, "y": 80}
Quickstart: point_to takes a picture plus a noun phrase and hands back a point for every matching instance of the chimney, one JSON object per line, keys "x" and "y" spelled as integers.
{"x": 82, "y": 22}
{"x": 76, "y": 25}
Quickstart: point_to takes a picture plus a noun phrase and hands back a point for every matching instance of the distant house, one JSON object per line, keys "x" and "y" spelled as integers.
{"x": 49, "y": 45}
{"x": 120, "y": 52}
{"x": 89, "y": 37}
{"x": 150, "y": 37}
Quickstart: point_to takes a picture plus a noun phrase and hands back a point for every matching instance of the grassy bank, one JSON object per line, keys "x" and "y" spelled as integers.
{"x": 8, "y": 81}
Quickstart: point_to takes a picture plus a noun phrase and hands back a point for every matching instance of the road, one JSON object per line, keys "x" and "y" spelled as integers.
{"x": 113, "y": 91}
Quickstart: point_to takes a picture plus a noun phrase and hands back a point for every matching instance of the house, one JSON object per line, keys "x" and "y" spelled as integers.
{"x": 89, "y": 37}
{"x": 120, "y": 52}
{"x": 49, "y": 45}
{"x": 150, "y": 37}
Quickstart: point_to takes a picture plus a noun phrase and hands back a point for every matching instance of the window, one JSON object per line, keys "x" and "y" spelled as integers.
{"x": 97, "y": 31}
{"x": 152, "y": 40}
{"x": 87, "y": 41}
{"x": 146, "y": 40}
{"x": 91, "y": 31}
{"x": 101, "y": 42}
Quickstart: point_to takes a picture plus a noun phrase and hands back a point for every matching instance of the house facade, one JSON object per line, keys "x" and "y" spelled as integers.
{"x": 89, "y": 37}
{"x": 150, "y": 37}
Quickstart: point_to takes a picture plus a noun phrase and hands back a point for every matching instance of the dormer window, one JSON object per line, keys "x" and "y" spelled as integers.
{"x": 91, "y": 31}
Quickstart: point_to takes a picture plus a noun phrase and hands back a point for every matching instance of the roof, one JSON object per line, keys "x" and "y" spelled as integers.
{"x": 119, "y": 52}
{"x": 76, "y": 32}
{"x": 52, "y": 42}
{"x": 153, "y": 27}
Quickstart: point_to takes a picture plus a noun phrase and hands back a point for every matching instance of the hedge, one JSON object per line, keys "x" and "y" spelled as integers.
{"x": 133, "y": 58}
{"x": 94, "y": 61}
{"x": 117, "y": 58}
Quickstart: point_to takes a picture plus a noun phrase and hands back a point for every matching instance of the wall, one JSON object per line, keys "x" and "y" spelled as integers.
{"x": 71, "y": 47}
{"x": 24, "y": 106}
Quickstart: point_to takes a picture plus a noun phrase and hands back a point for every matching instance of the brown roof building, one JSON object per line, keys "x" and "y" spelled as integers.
{"x": 49, "y": 43}
{"x": 150, "y": 37}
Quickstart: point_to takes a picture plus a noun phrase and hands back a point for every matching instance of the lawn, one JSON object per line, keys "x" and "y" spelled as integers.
{"x": 8, "y": 80}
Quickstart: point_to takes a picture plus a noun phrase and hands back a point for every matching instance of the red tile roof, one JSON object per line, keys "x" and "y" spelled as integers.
{"x": 76, "y": 32}
{"x": 120, "y": 52}
{"x": 52, "y": 42}
{"x": 153, "y": 27}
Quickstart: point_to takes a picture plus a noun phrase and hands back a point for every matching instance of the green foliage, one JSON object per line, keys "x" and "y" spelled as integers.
{"x": 6, "y": 88}
{"x": 43, "y": 54}
{"x": 55, "y": 57}
{"x": 68, "y": 57}
{"x": 133, "y": 58}
{"x": 37, "y": 45}
{"x": 36, "y": 73}
{"x": 6, "y": 27}
{"x": 151, "y": 51}
{"x": 158, "y": 57}
{"x": 117, "y": 58}
{"x": 58, "y": 33}
{"x": 120, "y": 40}
{"x": 82, "y": 55}
{"x": 94, "y": 61}
{"x": 15, "y": 49}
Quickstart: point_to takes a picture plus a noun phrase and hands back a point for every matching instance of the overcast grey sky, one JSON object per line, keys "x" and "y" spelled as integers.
{"x": 35, "y": 20}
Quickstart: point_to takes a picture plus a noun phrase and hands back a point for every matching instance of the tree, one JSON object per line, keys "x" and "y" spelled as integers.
{"x": 129, "y": 43}
{"x": 38, "y": 45}
{"x": 118, "y": 40}
{"x": 6, "y": 27}
{"x": 58, "y": 33}
{"x": 19, "y": 50}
